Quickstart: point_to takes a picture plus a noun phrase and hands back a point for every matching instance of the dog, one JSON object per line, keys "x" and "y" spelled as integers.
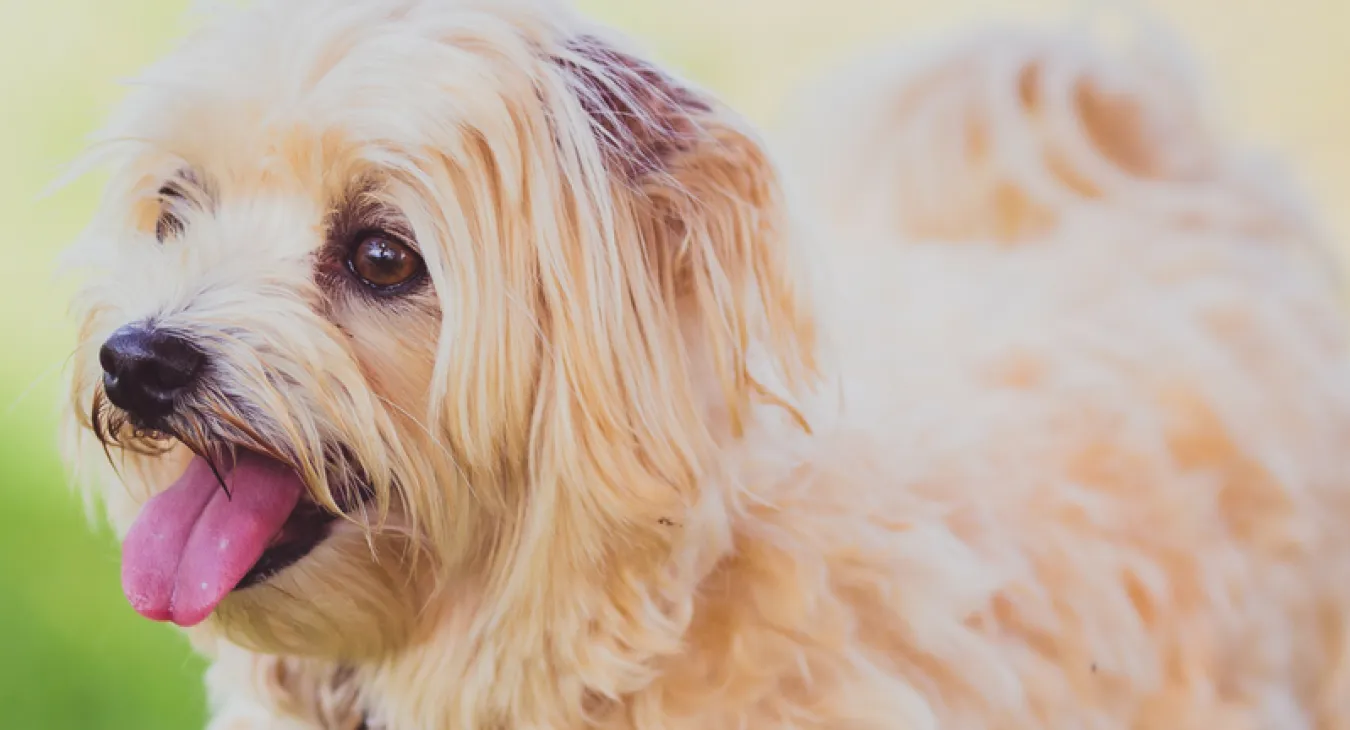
{"x": 451, "y": 364}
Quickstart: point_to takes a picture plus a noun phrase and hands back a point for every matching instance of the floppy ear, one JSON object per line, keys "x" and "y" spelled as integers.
{"x": 681, "y": 277}
{"x": 696, "y": 211}
{"x": 668, "y": 305}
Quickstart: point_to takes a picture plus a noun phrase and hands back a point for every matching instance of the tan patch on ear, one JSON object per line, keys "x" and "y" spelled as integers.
{"x": 642, "y": 116}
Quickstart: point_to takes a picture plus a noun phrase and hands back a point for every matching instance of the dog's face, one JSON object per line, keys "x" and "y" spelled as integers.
{"x": 393, "y": 300}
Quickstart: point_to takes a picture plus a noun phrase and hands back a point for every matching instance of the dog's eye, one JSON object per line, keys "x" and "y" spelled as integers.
{"x": 384, "y": 263}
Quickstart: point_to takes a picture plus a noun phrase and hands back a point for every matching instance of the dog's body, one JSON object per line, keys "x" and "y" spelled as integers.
{"x": 1054, "y": 439}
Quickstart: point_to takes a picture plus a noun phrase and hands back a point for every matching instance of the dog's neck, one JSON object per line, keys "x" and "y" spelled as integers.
{"x": 567, "y": 649}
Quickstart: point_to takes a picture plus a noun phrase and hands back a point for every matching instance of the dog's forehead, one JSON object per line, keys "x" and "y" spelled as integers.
{"x": 315, "y": 91}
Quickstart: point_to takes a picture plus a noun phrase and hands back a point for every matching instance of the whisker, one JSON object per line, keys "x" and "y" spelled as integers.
{"x": 212, "y": 464}
{"x": 28, "y": 389}
{"x": 97, "y": 425}
{"x": 199, "y": 447}
{"x": 256, "y": 441}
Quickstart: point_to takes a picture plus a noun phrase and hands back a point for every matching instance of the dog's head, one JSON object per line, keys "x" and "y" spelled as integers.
{"x": 394, "y": 297}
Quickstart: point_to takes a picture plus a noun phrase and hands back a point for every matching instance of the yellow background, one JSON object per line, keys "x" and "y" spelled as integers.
{"x": 72, "y": 654}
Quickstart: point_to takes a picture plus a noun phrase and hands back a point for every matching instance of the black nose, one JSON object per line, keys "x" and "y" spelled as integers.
{"x": 146, "y": 369}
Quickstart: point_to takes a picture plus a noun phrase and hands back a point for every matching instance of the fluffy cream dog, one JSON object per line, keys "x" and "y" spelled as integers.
{"x": 459, "y": 368}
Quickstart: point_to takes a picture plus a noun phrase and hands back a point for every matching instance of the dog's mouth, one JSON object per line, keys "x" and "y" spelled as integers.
{"x": 212, "y": 533}
{"x": 303, "y": 531}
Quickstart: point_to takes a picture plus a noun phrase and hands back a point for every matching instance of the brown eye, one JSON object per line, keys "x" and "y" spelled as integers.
{"x": 384, "y": 263}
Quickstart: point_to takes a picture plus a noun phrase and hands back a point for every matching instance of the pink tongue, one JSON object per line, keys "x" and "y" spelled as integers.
{"x": 191, "y": 545}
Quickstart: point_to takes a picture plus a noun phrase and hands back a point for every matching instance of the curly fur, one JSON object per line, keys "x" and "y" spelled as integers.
{"x": 1040, "y": 424}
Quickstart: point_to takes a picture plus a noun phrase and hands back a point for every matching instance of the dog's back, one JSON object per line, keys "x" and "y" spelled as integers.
{"x": 1096, "y": 396}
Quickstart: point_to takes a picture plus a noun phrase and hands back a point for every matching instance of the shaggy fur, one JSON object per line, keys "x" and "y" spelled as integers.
{"x": 1043, "y": 425}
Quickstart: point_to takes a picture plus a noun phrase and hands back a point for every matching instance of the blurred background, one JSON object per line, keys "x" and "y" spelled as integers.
{"x": 72, "y": 653}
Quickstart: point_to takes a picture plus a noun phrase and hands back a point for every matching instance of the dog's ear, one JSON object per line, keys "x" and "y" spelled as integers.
{"x": 668, "y": 304}
{"x": 641, "y": 117}
{"x": 681, "y": 274}
{"x": 697, "y": 217}
{"x": 649, "y": 301}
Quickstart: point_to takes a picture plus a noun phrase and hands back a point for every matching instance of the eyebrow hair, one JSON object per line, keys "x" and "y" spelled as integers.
{"x": 189, "y": 185}
{"x": 362, "y": 209}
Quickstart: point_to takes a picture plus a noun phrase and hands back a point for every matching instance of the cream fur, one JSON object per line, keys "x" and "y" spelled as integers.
{"x": 1041, "y": 424}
